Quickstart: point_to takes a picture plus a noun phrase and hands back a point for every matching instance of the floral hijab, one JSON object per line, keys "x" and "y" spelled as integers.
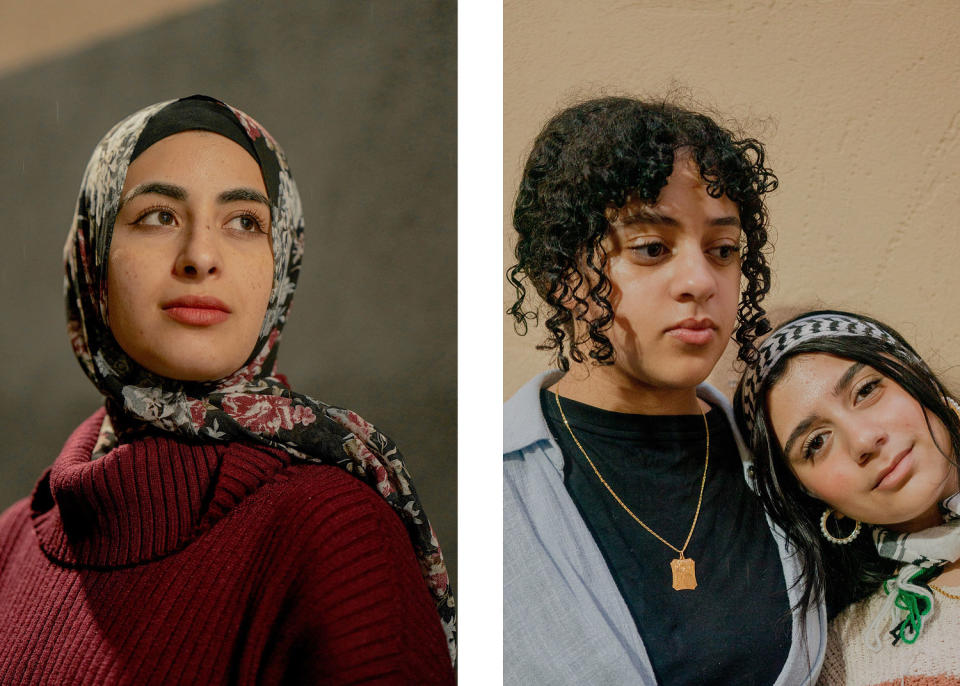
{"x": 254, "y": 404}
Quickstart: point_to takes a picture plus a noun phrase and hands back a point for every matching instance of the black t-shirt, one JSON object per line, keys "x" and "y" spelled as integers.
{"x": 735, "y": 627}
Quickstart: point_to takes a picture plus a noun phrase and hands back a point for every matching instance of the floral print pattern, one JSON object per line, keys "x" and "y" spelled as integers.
{"x": 252, "y": 404}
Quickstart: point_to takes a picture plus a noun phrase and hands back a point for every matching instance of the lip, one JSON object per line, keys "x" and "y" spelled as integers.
{"x": 896, "y": 472}
{"x": 196, "y": 310}
{"x": 694, "y": 331}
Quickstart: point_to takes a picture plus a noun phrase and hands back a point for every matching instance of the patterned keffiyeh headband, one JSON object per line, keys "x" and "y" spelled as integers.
{"x": 785, "y": 339}
{"x": 253, "y": 404}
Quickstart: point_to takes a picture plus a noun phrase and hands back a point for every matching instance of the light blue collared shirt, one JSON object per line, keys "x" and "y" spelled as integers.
{"x": 564, "y": 620}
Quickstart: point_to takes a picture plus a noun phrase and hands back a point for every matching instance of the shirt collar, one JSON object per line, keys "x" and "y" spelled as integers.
{"x": 524, "y": 424}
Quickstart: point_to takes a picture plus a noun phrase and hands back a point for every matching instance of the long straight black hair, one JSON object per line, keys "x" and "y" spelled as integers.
{"x": 842, "y": 574}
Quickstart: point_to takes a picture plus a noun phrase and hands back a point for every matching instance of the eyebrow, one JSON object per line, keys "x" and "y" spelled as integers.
{"x": 167, "y": 189}
{"x": 648, "y": 215}
{"x": 180, "y": 193}
{"x": 246, "y": 194}
{"x": 843, "y": 383}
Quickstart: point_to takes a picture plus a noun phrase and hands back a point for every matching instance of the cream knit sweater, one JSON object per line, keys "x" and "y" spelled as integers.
{"x": 933, "y": 660}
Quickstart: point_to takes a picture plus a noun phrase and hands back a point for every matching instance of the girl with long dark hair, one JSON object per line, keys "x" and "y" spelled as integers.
{"x": 855, "y": 442}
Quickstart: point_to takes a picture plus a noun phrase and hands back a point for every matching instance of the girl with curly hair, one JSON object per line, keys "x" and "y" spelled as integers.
{"x": 634, "y": 549}
{"x": 853, "y": 433}
{"x": 208, "y": 524}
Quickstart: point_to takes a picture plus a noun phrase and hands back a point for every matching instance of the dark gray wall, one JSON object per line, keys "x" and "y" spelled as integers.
{"x": 362, "y": 96}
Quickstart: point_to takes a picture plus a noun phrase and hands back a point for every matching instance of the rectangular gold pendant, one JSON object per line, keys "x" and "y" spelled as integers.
{"x": 684, "y": 574}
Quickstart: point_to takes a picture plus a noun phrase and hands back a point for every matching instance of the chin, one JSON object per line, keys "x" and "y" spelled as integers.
{"x": 680, "y": 383}
{"x": 193, "y": 374}
{"x": 196, "y": 376}
{"x": 685, "y": 374}
{"x": 189, "y": 369}
{"x": 676, "y": 379}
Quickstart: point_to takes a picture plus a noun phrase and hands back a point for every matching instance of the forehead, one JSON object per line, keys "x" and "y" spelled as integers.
{"x": 685, "y": 194}
{"x": 808, "y": 381}
{"x": 196, "y": 157}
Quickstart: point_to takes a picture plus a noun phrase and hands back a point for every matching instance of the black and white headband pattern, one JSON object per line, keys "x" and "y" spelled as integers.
{"x": 788, "y": 337}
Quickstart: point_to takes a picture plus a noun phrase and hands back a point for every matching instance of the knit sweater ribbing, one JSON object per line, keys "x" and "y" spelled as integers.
{"x": 932, "y": 660}
{"x": 170, "y": 563}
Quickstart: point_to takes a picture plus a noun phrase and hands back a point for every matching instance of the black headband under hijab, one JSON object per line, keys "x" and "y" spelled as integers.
{"x": 202, "y": 113}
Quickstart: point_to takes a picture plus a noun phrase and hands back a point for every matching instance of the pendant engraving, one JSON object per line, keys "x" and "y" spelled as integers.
{"x": 684, "y": 574}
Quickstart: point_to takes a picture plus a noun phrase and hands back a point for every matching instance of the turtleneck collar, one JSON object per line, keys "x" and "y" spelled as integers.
{"x": 143, "y": 500}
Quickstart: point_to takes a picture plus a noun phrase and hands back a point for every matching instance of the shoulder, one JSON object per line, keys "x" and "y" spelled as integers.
{"x": 319, "y": 491}
{"x": 356, "y": 598}
{"x": 265, "y": 492}
{"x": 931, "y": 658}
{"x": 317, "y": 495}
{"x": 16, "y": 540}
{"x": 523, "y": 421}
{"x": 14, "y": 521}
{"x": 314, "y": 520}
{"x": 848, "y": 659}
{"x": 707, "y": 392}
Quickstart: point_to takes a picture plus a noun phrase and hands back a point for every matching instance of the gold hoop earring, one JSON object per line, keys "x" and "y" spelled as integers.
{"x": 830, "y": 537}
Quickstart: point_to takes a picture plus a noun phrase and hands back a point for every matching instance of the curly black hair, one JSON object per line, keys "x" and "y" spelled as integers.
{"x": 593, "y": 156}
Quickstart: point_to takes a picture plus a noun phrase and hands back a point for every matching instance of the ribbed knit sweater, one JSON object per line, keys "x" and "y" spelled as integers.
{"x": 169, "y": 563}
{"x": 933, "y": 660}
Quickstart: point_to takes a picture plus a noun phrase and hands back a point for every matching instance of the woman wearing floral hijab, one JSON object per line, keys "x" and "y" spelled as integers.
{"x": 209, "y": 525}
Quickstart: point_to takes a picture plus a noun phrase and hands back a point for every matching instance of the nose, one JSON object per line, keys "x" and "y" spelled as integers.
{"x": 866, "y": 439}
{"x": 693, "y": 277}
{"x": 199, "y": 255}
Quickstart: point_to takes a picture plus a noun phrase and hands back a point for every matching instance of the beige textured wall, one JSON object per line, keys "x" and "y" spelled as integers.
{"x": 858, "y": 103}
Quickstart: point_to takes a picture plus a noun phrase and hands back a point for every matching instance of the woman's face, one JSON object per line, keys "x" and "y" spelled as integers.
{"x": 861, "y": 443}
{"x": 191, "y": 265}
{"x": 674, "y": 270}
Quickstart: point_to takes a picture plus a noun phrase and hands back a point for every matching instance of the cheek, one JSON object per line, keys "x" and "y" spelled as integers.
{"x": 827, "y": 483}
{"x": 728, "y": 287}
{"x": 264, "y": 277}
{"x": 259, "y": 276}
{"x": 941, "y": 437}
{"x": 634, "y": 295}
{"x": 125, "y": 280}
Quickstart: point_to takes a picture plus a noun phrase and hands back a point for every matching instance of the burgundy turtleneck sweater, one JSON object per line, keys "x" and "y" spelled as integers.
{"x": 169, "y": 563}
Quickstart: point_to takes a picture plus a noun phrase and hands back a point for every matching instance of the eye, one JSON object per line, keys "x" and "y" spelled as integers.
{"x": 157, "y": 217}
{"x": 725, "y": 254}
{"x": 650, "y": 251}
{"x": 246, "y": 223}
{"x": 867, "y": 390}
{"x": 813, "y": 445}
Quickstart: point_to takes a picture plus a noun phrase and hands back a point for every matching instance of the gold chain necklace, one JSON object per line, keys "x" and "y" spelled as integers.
{"x": 683, "y": 568}
{"x": 944, "y": 593}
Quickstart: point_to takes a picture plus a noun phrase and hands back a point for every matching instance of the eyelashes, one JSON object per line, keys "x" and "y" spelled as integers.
{"x": 253, "y": 223}
{"x": 814, "y": 443}
{"x": 245, "y": 222}
{"x": 165, "y": 216}
{"x": 652, "y": 251}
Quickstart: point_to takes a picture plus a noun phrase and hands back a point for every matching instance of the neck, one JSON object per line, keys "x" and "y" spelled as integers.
{"x": 950, "y": 576}
{"x": 610, "y": 389}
